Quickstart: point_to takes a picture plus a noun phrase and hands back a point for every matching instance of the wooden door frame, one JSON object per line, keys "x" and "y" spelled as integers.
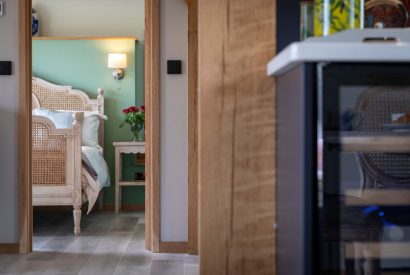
{"x": 24, "y": 137}
{"x": 152, "y": 202}
{"x": 152, "y": 195}
{"x": 193, "y": 179}
{"x": 152, "y": 33}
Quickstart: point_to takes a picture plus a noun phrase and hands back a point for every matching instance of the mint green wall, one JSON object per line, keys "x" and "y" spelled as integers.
{"x": 82, "y": 64}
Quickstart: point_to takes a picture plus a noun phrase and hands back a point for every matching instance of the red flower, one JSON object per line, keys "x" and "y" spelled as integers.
{"x": 133, "y": 109}
{"x": 143, "y": 108}
{"x": 125, "y": 111}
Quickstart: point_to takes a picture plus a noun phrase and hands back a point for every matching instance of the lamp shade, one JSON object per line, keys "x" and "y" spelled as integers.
{"x": 117, "y": 60}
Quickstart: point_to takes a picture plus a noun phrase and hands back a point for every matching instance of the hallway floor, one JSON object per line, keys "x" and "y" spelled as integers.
{"x": 108, "y": 244}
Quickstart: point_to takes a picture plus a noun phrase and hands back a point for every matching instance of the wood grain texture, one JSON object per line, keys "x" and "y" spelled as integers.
{"x": 236, "y": 137}
{"x": 173, "y": 247}
{"x": 147, "y": 80}
{"x": 24, "y": 135}
{"x": 152, "y": 123}
{"x": 9, "y": 248}
{"x": 193, "y": 127}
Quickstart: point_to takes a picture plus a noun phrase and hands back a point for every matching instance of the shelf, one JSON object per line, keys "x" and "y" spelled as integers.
{"x": 129, "y": 143}
{"x": 389, "y": 250}
{"x": 385, "y": 197}
{"x": 132, "y": 183}
{"x": 369, "y": 142}
{"x": 85, "y": 38}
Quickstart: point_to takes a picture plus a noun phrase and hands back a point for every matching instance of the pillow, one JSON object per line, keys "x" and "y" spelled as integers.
{"x": 91, "y": 123}
{"x": 64, "y": 120}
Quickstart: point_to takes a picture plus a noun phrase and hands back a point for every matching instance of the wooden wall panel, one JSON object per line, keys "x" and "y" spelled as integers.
{"x": 193, "y": 126}
{"x": 152, "y": 198}
{"x": 236, "y": 137}
{"x": 24, "y": 135}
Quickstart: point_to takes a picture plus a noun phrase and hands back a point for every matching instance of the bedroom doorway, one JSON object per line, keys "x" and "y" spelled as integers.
{"x": 153, "y": 242}
{"x": 74, "y": 159}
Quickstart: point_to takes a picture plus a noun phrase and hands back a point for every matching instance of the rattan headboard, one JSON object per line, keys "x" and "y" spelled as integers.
{"x": 55, "y": 97}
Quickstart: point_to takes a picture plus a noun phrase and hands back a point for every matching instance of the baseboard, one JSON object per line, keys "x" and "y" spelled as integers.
{"x": 124, "y": 207}
{"x": 9, "y": 248}
{"x": 107, "y": 207}
{"x": 173, "y": 247}
{"x": 58, "y": 208}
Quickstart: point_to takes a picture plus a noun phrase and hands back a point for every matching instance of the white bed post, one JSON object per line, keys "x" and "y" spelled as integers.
{"x": 100, "y": 100}
{"x": 100, "y": 109}
{"x": 100, "y": 104}
{"x": 77, "y": 192}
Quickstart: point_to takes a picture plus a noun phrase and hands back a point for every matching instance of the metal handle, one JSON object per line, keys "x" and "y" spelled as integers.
{"x": 380, "y": 40}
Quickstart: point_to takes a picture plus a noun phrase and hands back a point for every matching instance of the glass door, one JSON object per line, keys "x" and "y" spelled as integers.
{"x": 364, "y": 168}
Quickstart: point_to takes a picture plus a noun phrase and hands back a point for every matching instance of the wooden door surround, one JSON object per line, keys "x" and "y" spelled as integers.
{"x": 24, "y": 136}
{"x": 153, "y": 242}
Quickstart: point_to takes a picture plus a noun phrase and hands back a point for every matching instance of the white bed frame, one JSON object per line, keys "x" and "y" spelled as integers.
{"x": 57, "y": 174}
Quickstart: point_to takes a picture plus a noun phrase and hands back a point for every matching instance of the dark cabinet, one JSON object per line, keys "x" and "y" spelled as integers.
{"x": 343, "y": 168}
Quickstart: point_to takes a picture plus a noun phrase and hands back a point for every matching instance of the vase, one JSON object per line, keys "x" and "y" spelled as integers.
{"x": 35, "y": 24}
{"x": 138, "y": 132}
{"x": 332, "y": 16}
{"x": 306, "y": 19}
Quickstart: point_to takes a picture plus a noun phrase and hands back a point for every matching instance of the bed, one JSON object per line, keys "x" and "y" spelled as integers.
{"x": 68, "y": 167}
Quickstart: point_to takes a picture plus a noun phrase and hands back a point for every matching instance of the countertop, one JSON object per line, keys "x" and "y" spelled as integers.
{"x": 369, "y": 45}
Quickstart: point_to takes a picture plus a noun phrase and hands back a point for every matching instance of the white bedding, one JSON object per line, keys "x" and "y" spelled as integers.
{"x": 93, "y": 156}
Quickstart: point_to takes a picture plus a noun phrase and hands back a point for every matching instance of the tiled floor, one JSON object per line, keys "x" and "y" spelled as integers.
{"x": 108, "y": 244}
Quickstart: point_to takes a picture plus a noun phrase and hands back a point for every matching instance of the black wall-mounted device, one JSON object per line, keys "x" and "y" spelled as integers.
{"x": 5, "y": 67}
{"x": 174, "y": 67}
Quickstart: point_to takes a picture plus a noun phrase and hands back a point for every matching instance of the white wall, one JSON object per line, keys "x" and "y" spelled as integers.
{"x": 91, "y": 17}
{"x": 173, "y": 93}
{"x": 174, "y": 122}
{"x": 9, "y": 102}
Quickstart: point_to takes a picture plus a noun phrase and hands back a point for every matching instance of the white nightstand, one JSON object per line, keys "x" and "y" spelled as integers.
{"x": 125, "y": 148}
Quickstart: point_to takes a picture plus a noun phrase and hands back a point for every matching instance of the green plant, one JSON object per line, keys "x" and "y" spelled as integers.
{"x": 135, "y": 117}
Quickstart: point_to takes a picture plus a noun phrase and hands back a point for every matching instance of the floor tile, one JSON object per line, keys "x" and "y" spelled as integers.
{"x": 167, "y": 268}
{"x": 191, "y": 270}
{"x": 108, "y": 244}
{"x": 133, "y": 270}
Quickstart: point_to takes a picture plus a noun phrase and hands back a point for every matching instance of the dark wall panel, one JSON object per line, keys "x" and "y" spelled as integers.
{"x": 288, "y": 22}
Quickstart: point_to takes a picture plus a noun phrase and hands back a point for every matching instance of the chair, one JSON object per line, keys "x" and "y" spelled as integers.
{"x": 375, "y": 108}
{"x": 383, "y": 170}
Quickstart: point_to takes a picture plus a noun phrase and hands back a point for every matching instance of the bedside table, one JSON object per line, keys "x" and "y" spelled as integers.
{"x": 125, "y": 148}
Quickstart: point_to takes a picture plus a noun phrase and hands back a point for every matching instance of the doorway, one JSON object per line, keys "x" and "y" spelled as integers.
{"x": 151, "y": 85}
{"x": 76, "y": 55}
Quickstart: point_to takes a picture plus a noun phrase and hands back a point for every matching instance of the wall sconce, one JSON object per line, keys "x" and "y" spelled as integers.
{"x": 117, "y": 61}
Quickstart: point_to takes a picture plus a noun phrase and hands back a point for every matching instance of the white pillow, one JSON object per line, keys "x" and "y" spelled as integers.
{"x": 64, "y": 120}
{"x": 61, "y": 120}
{"x": 91, "y": 123}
